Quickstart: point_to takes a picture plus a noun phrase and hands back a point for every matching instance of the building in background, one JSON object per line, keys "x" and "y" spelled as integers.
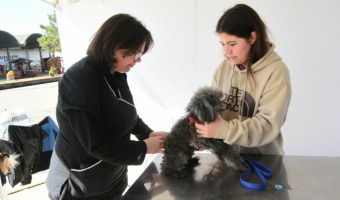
{"x": 22, "y": 54}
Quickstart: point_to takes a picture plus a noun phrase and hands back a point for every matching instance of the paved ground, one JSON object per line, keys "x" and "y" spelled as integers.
{"x": 40, "y": 101}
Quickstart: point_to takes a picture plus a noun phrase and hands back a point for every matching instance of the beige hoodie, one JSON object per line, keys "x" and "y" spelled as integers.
{"x": 255, "y": 113}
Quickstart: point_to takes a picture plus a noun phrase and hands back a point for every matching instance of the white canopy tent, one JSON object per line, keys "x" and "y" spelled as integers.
{"x": 187, "y": 51}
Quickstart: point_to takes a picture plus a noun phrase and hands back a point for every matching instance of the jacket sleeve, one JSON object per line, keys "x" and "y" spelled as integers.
{"x": 90, "y": 131}
{"x": 141, "y": 130}
{"x": 82, "y": 98}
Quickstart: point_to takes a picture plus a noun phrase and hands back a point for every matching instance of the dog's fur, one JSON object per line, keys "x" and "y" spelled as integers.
{"x": 183, "y": 140}
{"x": 7, "y": 161}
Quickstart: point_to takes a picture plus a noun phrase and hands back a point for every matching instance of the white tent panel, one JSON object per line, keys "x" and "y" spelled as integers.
{"x": 187, "y": 51}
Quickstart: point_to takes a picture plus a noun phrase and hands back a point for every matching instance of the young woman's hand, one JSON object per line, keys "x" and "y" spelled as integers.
{"x": 208, "y": 130}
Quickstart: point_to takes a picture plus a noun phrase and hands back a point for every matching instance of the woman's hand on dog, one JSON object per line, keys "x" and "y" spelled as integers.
{"x": 208, "y": 130}
{"x": 155, "y": 142}
{"x": 159, "y": 133}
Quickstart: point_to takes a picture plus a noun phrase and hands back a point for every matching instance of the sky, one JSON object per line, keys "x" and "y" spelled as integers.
{"x": 19, "y": 17}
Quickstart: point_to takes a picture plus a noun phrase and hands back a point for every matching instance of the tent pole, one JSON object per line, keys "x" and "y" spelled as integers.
{"x": 9, "y": 59}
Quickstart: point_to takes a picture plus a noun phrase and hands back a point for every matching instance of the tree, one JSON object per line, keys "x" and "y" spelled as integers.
{"x": 49, "y": 41}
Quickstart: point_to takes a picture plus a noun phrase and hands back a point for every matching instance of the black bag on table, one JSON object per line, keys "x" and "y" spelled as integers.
{"x": 35, "y": 145}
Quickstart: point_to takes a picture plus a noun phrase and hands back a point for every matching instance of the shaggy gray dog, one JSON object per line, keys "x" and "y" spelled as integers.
{"x": 183, "y": 140}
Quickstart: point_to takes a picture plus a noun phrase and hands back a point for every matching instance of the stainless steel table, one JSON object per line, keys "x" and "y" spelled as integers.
{"x": 294, "y": 177}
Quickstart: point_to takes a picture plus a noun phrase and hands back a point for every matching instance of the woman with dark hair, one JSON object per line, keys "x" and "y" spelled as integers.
{"x": 96, "y": 117}
{"x": 256, "y": 83}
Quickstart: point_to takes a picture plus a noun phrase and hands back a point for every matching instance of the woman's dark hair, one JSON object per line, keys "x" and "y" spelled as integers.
{"x": 240, "y": 21}
{"x": 120, "y": 31}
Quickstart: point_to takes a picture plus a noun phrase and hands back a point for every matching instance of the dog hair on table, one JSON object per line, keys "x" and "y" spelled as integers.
{"x": 183, "y": 140}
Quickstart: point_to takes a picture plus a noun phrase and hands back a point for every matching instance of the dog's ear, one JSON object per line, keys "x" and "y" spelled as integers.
{"x": 204, "y": 111}
{"x": 8, "y": 161}
{"x": 204, "y": 103}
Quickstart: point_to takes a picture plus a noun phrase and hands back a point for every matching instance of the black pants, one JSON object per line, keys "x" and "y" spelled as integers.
{"x": 66, "y": 197}
{"x": 114, "y": 195}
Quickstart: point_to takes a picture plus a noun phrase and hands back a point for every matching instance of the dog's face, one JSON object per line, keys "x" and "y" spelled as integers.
{"x": 205, "y": 104}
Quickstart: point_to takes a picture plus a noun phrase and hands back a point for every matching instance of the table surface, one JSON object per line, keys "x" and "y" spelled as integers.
{"x": 294, "y": 177}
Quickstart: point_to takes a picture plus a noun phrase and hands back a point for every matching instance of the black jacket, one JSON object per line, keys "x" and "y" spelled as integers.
{"x": 96, "y": 116}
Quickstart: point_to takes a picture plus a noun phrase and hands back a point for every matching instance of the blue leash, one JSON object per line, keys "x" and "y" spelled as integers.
{"x": 261, "y": 170}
